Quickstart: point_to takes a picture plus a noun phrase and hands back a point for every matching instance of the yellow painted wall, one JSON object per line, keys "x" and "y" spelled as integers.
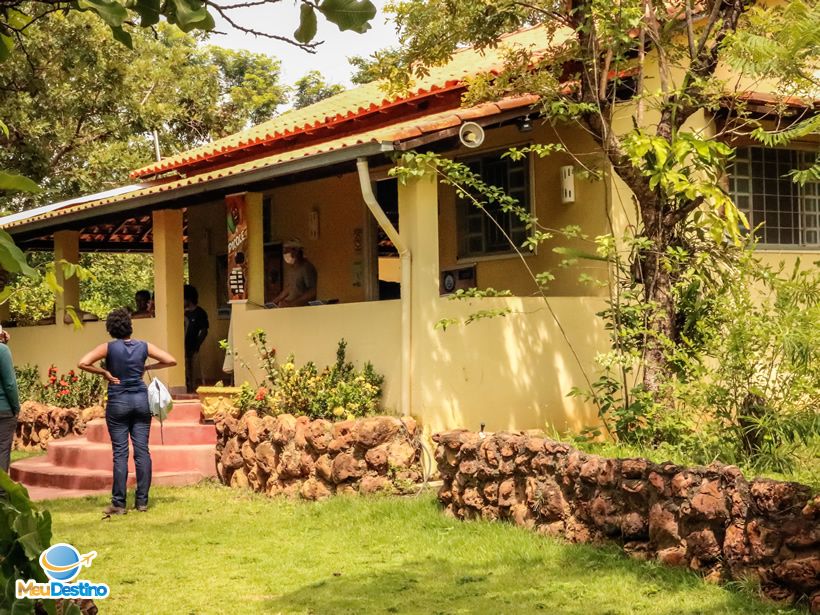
{"x": 371, "y": 329}
{"x": 588, "y": 211}
{"x": 62, "y": 345}
{"x": 341, "y": 210}
{"x": 510, "y": 372}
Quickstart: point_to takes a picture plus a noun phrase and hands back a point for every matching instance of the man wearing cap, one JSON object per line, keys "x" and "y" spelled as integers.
{"x": 299, "y": 278}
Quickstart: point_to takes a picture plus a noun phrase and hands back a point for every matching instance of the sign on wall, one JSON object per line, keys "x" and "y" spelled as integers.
{"x": 237, "y": 247}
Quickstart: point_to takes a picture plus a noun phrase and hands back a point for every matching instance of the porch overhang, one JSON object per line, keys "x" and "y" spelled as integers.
{"x": 175, "y": 197}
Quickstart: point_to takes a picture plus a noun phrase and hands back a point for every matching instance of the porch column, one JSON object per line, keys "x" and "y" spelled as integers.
{"x": 168, "y": 282}
{"x": 418, "y": 219}
{"x": 66, "y": 248}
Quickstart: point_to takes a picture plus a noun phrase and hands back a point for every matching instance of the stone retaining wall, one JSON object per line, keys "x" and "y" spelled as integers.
{"x": 315, "y": 459}
{"x": 710, "y": 519}
{"x": 38, "y": 423}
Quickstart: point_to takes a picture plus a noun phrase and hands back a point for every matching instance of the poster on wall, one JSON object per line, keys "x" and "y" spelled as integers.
{"x": 237, "y": 247}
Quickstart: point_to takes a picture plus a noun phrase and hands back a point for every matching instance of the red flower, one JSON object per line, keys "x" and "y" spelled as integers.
{"x": 52, "y": 379}
{"x": 261, "y": 393}
{"x": 62, "y": 393}
{"x": 63, "y": 383}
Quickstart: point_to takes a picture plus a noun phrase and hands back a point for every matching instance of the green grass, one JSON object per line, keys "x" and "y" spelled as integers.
{"x": 209, "y": 549}
{"x": 15, "y": 455}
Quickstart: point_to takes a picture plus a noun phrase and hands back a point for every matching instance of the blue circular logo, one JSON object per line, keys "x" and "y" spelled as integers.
{"x": 61, "y": 562}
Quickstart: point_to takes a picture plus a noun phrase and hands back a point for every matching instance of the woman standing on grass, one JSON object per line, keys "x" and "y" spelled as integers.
{"x": 127, "y": 413}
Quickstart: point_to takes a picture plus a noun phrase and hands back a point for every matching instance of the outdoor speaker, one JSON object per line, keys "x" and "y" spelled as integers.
{"x": 471, "y": 134}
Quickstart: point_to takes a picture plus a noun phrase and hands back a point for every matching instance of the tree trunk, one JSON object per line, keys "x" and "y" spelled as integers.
{"x": 657, "y": 284}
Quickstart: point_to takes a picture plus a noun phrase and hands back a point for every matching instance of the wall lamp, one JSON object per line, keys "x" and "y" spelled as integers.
{"x": 524, "y": 124}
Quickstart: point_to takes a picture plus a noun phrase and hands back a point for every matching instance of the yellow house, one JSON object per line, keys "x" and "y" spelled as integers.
{"x": 388, "y": 256}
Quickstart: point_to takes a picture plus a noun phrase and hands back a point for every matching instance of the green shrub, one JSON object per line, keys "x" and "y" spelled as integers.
{"x": 69, "y": 390}
{"x": 337, "y": 391}
{"x": 28, "y": 382}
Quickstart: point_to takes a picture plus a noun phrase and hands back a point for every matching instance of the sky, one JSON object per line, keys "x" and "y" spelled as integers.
{"x": 330, "y": 57}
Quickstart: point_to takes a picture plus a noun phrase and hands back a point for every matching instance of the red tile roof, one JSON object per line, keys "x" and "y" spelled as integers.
{"x": 357, "y": 109}
{"x": 392, "y": 134}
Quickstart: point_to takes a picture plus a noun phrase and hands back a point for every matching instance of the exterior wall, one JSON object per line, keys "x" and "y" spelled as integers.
{"x": 510, "y": 372}
{"x": 507, "y": 272}
{"x": 62, "y": 345}
{"x": 342, "y": 212}
{"x": 371, "y": 329}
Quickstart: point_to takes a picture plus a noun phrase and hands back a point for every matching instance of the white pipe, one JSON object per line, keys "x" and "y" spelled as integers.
{"x": 406, "y": 293}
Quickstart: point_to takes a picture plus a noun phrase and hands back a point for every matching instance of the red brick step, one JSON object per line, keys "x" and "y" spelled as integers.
{"x": 83, "y": 464}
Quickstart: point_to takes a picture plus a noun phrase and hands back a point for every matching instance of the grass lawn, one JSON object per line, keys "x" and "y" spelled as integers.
{"x": 209, "y": 549}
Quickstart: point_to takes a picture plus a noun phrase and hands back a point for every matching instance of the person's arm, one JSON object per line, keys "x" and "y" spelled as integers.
{"x": 87, "y": 362}
{"x": 163, "y": 359}
{"x": 9, "y": 379}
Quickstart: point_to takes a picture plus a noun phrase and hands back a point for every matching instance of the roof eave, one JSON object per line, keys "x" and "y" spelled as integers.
{"x": 223, "y": 183}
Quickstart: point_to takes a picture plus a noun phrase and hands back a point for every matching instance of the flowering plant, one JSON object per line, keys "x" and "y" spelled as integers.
{"x": 339, "y": 391}
{"x": 71, "y": 390}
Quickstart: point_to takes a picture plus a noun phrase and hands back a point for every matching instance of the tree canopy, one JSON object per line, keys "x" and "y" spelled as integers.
{"x": 80, "y": 107}
{"x": 312, "y": 88}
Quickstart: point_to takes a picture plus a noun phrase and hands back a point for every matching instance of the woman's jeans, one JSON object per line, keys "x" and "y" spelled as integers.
{"x": 127, "y": 414}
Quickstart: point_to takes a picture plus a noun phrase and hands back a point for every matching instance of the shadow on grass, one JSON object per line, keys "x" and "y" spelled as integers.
{"x": 587, "y": 581}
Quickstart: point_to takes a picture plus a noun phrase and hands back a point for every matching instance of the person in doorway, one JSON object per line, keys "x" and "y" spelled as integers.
{"x": 142, "y": 299}
{"x": 126, "y": 412}
{"x": 196, "y": 330}
{"x": 299, "y": 278}
{"x": 9, "y": 403}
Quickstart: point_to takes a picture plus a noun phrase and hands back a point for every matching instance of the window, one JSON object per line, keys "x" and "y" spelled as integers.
{"x": 478, "y": 235}
{"x": 761, "y": 189}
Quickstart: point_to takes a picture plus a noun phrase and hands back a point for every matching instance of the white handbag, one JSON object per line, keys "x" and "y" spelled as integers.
{"x": 159, "y": 402}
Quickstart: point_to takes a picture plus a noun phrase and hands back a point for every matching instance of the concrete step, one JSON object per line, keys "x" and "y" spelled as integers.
{"x": 173, "y": 432}
{"x": 185, "y": 410}
{"x": 79, "y": 453}
{"x": 40, "y": 472}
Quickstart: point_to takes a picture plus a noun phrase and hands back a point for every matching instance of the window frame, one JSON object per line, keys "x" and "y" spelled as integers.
{"x": 800, "y": 214}
{"x": 460, "y": 221}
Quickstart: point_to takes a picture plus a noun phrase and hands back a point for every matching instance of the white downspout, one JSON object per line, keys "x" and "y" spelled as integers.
{"x": 406, "y": 293}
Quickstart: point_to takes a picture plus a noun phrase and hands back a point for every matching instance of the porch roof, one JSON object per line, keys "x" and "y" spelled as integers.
{"x": 86, "y": 213}
{"x": 362, "y": 107}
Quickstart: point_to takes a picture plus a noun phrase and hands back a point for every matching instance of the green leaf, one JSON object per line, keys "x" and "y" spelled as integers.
{"x": 349, "y": 14}
{"x": 149, "y": 12}
{"x": 16, "y": 183}
{"x": 110, "y": 11}
{"x": 575, "y": 253}
{"x": 12, "y": 258}
{"x": 191, "y": 15}
{"x": 6, "y": 45}
{"x": 17, "y": 494}
{"x": 4, "y": 129}
{"x": 307, "y": 24}
{"x": 122, "y": 36}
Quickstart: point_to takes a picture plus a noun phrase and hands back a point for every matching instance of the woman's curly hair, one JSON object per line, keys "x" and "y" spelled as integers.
{"x": 118, "y": 324}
